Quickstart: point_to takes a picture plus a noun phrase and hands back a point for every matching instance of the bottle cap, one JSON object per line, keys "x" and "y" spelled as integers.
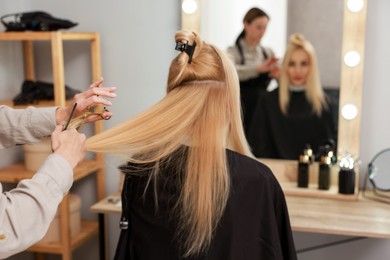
{"x": 325, "y": 160}
{"x": 347, "y": 163}
{"x": 309, "y": 152}
{"x": 304, "y": 158}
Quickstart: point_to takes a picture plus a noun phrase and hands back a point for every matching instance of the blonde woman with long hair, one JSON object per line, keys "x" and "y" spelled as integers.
{"x": 298, "y": 112}
{"x": 192, "y": 189}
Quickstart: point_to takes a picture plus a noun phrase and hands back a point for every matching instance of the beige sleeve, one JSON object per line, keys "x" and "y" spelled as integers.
{"x": 22, "y": 126}
{"x": 27, "y": 211}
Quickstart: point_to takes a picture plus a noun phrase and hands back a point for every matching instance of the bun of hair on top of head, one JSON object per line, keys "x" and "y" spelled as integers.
{"x": 297, "y": 39}
{"x": 206, "y": 63}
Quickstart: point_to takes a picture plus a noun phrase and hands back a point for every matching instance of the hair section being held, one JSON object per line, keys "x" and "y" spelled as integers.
{"x": 201, "y": 110}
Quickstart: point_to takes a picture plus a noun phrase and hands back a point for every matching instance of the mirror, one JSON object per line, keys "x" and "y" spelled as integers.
{"x": 352, "y": 35}
{"x": 377, "y": 178}
{"x": 319, "y": 21}
{"x": 378, "y": 170}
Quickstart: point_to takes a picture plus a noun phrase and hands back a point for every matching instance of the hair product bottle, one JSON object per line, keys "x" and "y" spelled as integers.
{"x": 324, "y": 172}
{"x": 347, "y": 175}
{"x": 303, "y": 171}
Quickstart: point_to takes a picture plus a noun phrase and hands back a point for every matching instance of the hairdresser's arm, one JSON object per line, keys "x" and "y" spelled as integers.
{"x": 251, "y": 68}
{"x": 27, "y": 211}
{"x": 21, "y": 126}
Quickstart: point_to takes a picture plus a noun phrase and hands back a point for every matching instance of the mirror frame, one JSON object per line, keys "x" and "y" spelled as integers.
{"x": 351, "y": 77}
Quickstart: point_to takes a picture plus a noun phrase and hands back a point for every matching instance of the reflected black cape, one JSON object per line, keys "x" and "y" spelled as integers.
{"x": 255, "y": 224}
{"x": 275, "y": 135}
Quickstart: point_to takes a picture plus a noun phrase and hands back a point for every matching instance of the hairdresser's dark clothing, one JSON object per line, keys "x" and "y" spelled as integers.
{"x": 252, "y": 83}
{"x": 255, "y": 224}
{"x": 250, "y": 93}
{"x": 273, "y": 134}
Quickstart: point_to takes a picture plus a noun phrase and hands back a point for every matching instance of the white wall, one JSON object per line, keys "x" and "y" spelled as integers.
{"x": 137, "y": 45}
{"x": 376, "y": 91}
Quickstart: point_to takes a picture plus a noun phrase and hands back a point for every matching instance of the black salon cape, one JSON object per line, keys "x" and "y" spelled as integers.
{"x": 255, "y": 224}
{"x": 273, "y": 134}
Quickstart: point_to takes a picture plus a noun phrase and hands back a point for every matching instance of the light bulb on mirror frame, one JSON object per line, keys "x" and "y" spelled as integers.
{"x": 349, "y": 111}
{"x": 189, "y": 6}
{"x": 355, "y": 5}
{"x": 352, "y": 59}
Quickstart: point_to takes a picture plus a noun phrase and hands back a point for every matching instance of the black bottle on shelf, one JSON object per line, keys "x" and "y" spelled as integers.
{"x": 324, "y": 172}
{"x": 347, "y": 175}
{"x": 303, "y": 171}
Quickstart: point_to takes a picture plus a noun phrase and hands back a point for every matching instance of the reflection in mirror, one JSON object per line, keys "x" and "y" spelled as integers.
{"x": 318, "y": 21}
{"x": 214, "y": 20}
{"x": 210, "y": 16}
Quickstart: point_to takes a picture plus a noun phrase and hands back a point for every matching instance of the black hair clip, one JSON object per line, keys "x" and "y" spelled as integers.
{"x": 189, "y": 49}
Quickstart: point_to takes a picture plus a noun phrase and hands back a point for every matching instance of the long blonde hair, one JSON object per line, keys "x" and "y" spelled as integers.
{"x": 314, "y": 92}
{"x": 201, "y": 109}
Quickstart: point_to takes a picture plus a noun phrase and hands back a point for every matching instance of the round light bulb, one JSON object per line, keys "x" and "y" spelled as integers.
{"x": 352, "y": 58}
{"x": 189, "y": 6}
{"x": 349, "y": 111}
{"x": 355, "y": 5}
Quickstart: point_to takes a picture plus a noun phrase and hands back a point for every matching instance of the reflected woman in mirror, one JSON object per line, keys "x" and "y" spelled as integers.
{"x": 192, "y": 188}
{"x": 296, "y": 113}
{"x": 256, "y": 65}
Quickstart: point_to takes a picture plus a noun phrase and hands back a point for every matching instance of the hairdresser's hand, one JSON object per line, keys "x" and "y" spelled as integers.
{"x": 275, "y": 72}
{"x": 94, "y": 95}
{"x": 267, "y": 65}
{"x": 69, "y": 144}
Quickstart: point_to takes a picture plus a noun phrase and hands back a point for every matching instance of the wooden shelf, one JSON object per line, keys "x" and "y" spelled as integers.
{"x": 291, "y": 189}
{"x": 40, "y": 103}
{"x": 17, "y": 172}
{"x": 286, "y": 173}
{"x": 363, "y": 217}
{"x": 46, "y": 36}
{"x": 89, "y": 229}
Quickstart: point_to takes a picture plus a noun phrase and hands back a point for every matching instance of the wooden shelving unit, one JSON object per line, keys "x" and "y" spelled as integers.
{"x": 88, "y": 230}
{"x": 16, "y": 172}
